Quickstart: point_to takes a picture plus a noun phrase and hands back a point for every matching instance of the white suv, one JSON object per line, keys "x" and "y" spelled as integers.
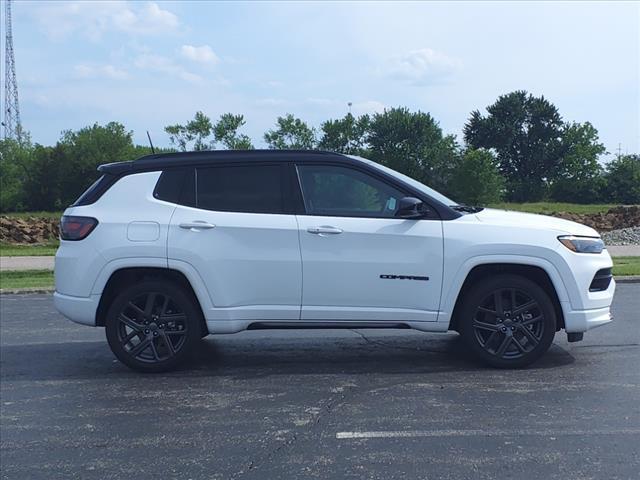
{"x": 168, "y": 248}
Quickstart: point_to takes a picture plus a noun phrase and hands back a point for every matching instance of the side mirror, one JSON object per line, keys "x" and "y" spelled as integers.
{"x": 411, "y": 207}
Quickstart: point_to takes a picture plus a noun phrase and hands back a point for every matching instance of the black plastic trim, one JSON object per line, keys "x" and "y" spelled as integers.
{"x": 323, "y": 325}
{"x": 601, "y": 280}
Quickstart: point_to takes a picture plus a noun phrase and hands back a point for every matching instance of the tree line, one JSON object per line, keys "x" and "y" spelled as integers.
{"x": 520, "y": 150}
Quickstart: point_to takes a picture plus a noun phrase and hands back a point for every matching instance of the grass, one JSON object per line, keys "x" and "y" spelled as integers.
{"x": 626, "y": 265}
{"x": 26, "y": 279}
{"x": 551, "y": 207}
{"x": 10, "y": 250}
{"x": 56, "y": 215}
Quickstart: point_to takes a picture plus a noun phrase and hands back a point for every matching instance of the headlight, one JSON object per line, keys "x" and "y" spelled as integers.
{"x": 582, "y": 244}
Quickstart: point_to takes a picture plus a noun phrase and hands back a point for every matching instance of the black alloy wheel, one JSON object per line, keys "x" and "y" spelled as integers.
{"x": 152, "y": 326}
{"x": 508, "y": 321}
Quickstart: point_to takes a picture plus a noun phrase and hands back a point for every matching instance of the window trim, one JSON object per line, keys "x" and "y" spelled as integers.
{"x": 432, "y": 213}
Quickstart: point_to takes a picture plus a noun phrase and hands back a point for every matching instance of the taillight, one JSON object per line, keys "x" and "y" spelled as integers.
{"x": 76, "y": 228}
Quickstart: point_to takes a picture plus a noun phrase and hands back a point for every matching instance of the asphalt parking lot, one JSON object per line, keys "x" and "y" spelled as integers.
{"x": 316, "y": 404}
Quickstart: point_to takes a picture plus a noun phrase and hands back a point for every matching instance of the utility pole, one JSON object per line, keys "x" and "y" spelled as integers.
{"x": 11, "y": 124}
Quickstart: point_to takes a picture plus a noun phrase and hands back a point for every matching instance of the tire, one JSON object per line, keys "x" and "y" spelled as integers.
{"x": 499, "y": 334}
{"x": 153, "y": 326}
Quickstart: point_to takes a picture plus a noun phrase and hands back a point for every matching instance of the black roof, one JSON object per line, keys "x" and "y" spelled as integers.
{"x": 164, "y": 160}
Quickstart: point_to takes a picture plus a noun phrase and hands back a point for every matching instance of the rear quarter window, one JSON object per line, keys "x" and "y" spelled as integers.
{"x": 96, "y": 190}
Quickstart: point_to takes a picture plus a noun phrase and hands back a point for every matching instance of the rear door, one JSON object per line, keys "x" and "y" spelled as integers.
{"x": 236, "y": 233}
{"x": 361, "y": 262}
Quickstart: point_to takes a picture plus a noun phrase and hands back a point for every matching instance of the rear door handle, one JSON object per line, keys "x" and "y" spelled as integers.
{"x": 197, "y": 225}
{"x": 324, "y": 230}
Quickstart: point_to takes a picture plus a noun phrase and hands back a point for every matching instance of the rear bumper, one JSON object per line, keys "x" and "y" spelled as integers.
{"x": 78, "y": 309}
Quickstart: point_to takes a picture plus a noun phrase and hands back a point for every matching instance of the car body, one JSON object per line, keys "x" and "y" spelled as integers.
{"x": 299, "y": 239}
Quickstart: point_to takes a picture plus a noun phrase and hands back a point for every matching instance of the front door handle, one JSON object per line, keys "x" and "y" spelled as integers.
{"x": 324, "y": 230}
{"x": 197, "y": 225}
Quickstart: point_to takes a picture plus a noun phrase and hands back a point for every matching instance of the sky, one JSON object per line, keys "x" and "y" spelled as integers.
{"x": 151, "y": 64}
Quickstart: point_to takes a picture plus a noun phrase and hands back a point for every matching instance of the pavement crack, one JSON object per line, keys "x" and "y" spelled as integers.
{"x": 389, "y": 345}
{"x": 327, "y": 406}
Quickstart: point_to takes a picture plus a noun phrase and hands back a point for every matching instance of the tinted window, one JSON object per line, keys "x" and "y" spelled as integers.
{"x": 253, "y": 189}
{"x": 169, "y": 185}
{"x": 96, "y": 190}
{"x": 341, "y": 191}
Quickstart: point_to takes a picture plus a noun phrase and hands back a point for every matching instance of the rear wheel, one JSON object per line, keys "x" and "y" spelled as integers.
{"x": 153, "y": 326}
{"x": 508, "y": 321}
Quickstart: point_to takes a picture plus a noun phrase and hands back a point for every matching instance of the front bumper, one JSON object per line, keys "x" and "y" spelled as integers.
{"x": 78, "y": 309}
{"x": 578, "y": 321}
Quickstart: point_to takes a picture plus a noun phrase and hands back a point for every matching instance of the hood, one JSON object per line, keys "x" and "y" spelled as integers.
{"x": 530, "y": 220}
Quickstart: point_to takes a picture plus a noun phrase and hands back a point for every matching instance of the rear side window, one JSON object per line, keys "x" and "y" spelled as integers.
{"x": 250, "y": 188}
{"x": 96, "y": 190}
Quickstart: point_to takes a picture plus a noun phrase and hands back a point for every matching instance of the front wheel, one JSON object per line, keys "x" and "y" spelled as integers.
{"x": 153, "y": 326}
{"x": 508, "y": 321}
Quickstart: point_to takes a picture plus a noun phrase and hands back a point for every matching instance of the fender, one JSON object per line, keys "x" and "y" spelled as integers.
{"x": 155, "y": 262}
{"x": 450, "y": 296}
{"x": 128, "y": 262}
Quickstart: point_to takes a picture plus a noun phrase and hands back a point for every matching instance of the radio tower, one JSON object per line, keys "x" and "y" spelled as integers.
{"x": 12, "y": 127}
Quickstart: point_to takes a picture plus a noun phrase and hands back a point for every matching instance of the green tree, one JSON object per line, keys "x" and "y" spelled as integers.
{"x": 79, "y": 153}
{"x": 477, "y": 179}
{"x": 579, "y": 177}
{"x": 525, "y": 132}
{"x": 291, "y": 134}
{"x": 623, "y": 179}
{"x": 49, "y": 172}
{"x": 413, "y": 143}
{"x": 226, "y": 129}
{"x": 346, "y": 135}
{"x": 15, "y": 161}
{"x": 196, "y": 131}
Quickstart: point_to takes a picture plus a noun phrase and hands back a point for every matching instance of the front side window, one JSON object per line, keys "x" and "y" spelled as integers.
{"x": 340, "y": 191}
{"x": 250, "y": 189}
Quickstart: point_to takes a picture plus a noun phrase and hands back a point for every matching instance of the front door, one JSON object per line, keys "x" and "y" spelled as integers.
{"x": 360, "y": 262}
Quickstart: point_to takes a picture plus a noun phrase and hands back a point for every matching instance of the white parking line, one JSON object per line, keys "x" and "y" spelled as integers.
{"x": 485, "y": 433}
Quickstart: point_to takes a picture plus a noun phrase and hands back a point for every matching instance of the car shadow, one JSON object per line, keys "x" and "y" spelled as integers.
{"x": 251, "y": 354}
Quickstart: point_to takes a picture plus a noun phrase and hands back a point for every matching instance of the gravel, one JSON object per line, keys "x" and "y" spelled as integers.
{"x": 624, "y": 236}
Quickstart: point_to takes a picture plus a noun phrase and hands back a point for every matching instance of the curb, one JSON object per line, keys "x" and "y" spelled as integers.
{"x": 628, "y": 279}
{"x": 41, "y": 290}
{"x": 20, "y": 291}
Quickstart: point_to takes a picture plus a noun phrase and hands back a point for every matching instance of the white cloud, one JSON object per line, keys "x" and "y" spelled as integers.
{"x": 421, "y": 67}
{"x": 203, "y": 54}
{"x": 99, "y": 71}
{"x": 93, "y": 19}
{"x": 367, "y": 106}
{"x": 158, "y": 63}
{"x": 270, "y": 102}
{"x": 321, "y": 102}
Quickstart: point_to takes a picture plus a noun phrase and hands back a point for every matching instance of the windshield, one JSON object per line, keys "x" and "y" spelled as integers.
{"x": 414, "y": 183}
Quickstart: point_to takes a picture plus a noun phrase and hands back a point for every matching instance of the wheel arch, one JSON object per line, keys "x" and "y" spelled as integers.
{"x": 535, "y": 273}
{"x": 124, "y": 277}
